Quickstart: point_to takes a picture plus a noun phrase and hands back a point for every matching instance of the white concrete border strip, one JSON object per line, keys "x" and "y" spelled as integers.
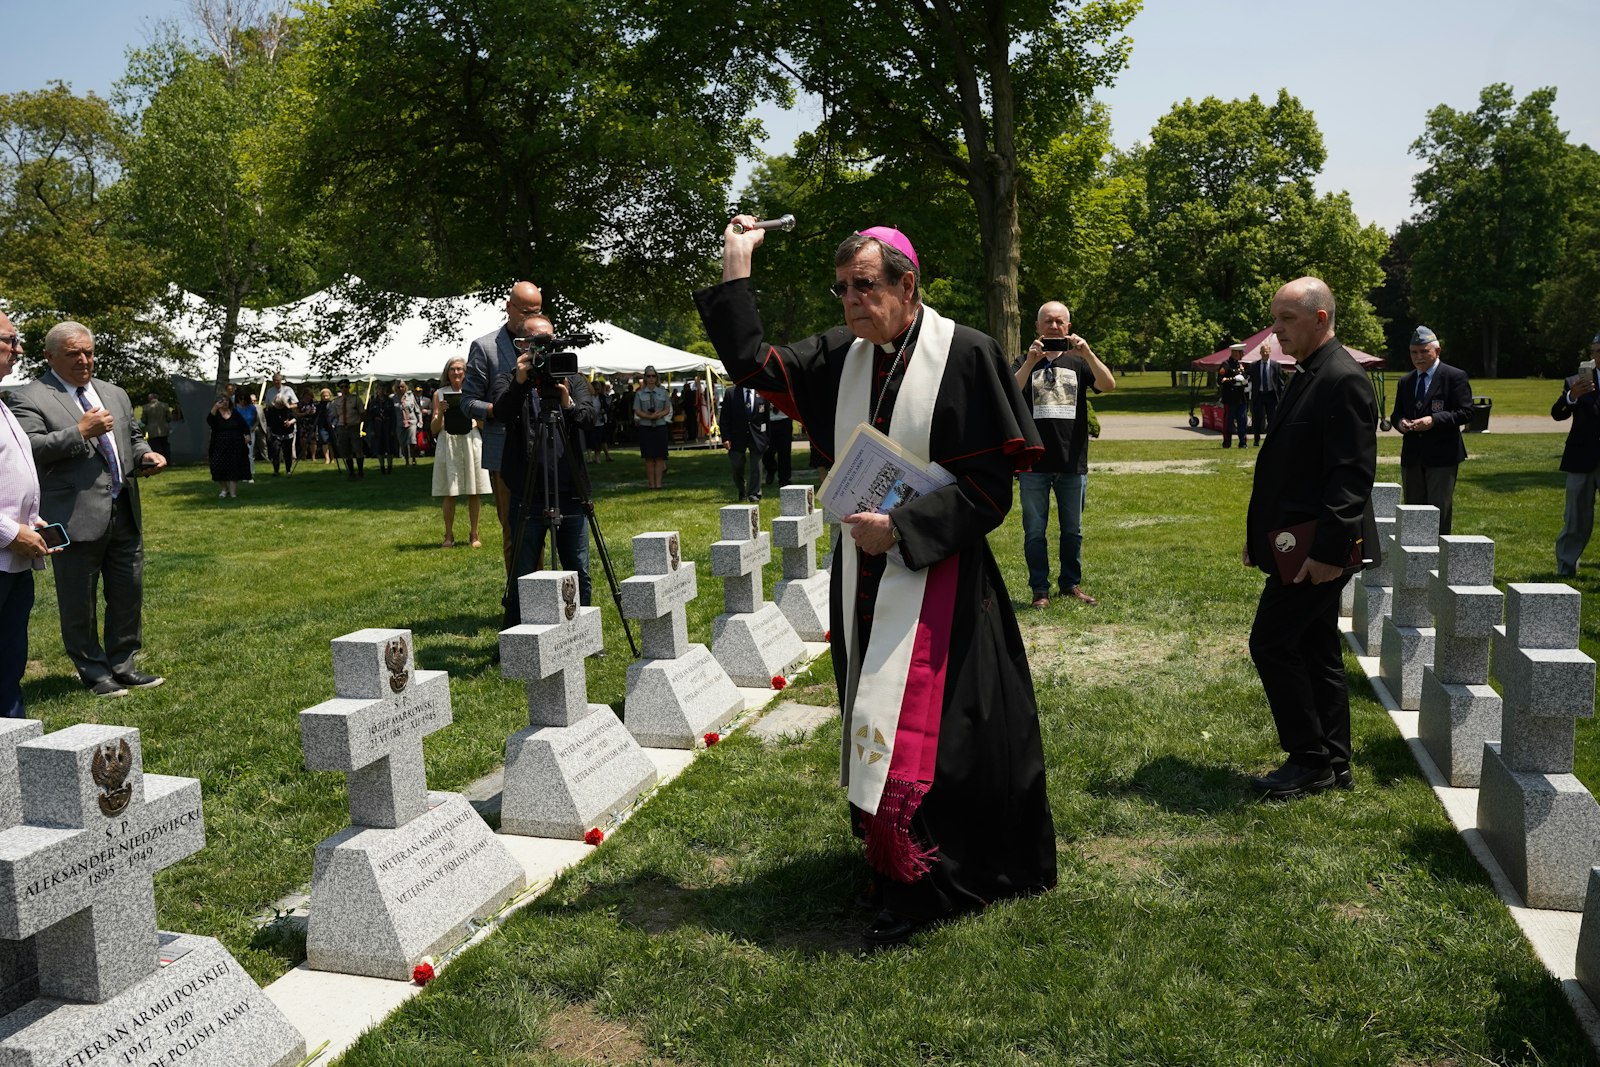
{"x": 332, "y": 1010}
{"x": 1553, "y": 934}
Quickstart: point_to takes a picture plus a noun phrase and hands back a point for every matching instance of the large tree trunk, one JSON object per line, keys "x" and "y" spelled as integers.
{"x": 230, "y": 331}
{"x": 1001, "y": 234}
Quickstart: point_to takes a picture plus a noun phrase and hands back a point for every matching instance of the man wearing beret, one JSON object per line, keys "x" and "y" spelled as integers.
{"x": 1431, "y": 406}
{"x": 1580, "y": 460}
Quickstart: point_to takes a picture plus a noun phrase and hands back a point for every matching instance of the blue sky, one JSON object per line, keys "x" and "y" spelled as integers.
{"x": 1369, "y": 69}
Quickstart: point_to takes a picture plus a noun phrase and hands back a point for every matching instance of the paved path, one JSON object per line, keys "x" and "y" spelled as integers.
{"x": 1176, "y": 427}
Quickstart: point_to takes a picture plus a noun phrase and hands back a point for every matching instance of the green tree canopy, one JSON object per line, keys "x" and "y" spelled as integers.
{"x": 1496, "y": 196}
{"x": 976, "y": 88}
{"x": 189, "y": 189}
{"x": 452, "y": 146}
{"x": 62, "y": 255}
{"x": 1228, "y": 214}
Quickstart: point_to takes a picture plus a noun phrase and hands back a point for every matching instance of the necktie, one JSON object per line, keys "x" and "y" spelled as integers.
{"x": 1422, "y": 392}
{"x": 103, "y": 444}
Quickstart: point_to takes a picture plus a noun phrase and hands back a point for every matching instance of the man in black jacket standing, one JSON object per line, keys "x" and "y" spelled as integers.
{"x": 1431, "y": 406}
{"x": 1580, "y": 460}
{"x": 744, "y": 434}
{"x": 1317, "y": 466}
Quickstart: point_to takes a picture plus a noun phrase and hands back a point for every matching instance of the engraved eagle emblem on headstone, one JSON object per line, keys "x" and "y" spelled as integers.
{"x": 394, "y": 657}
{"x": 569, "y": 595}
{"x": 110, "y": 767}
{"x": 674, "y": 555}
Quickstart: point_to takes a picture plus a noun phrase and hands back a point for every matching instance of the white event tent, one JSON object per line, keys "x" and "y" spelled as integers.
{"x": 414, "y": 348}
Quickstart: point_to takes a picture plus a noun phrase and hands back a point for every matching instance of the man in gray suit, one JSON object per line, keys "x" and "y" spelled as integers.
{"x": 490, "y": 356}
{"x": 88, "y": 459}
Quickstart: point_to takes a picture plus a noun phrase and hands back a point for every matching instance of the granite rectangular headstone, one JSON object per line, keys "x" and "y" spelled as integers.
{"x": 575, "y": 766}
{"x": 802, "y": 594}
{"x": 1460, "y": 711}
{"x": 19, "y": 973}
{"x": 76, "y": 875}
{"x": 1537, "y": 818}
{"x": 1373, "y": 589}
{"x": 417, "y": 868}
{"x": 1407, "y": 644}
{"x": 752, "y": 639}
{"x": 677, "y": 692}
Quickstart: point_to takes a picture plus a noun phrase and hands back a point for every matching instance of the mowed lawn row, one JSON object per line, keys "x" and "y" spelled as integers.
{"x": 1192, "y": 924}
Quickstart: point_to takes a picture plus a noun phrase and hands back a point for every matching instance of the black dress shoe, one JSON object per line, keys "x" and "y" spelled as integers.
{"x": 136, "y": 680}
{"x": 1342, "y": 777}
{"x": 106, "y": 687}
{"x": 890, "y": 928}
{"x": 1293, "y": 780}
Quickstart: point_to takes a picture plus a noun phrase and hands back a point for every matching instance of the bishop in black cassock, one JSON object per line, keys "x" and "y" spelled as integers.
{"x": 941, "y": 751}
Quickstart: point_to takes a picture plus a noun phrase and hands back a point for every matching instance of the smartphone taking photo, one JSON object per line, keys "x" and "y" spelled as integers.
{"x": 55, "y": 535}
{"x": 1057, "y": 344}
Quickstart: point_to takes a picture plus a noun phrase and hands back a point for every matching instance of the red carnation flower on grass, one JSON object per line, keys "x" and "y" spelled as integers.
{"x": 594, "y": 835}
{"x": 778, "y": 681}
{"x": 422, "y": 973}
{"x": 712, "y": 738}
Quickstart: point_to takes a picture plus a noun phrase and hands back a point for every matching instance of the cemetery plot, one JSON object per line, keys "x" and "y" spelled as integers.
{"x": 678, "y": 691}
{"x": 574, "y": 767}
{"x": 75, "y": 875}
{"x": 752, "y": 639}
{"x": 415, "y": 868}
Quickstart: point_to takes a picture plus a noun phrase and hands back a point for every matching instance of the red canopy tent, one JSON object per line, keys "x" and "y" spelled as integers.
{"x": 1252, "y": 353}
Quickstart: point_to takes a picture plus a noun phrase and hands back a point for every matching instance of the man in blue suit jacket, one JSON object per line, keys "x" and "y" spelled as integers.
{"x": 1431, "y": 406}
{"x": 1581, "y": 462}
{"x": 80, "y": 427}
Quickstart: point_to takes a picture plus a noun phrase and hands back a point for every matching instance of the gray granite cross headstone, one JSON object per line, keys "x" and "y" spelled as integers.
{"x": 548, "y": 649}
{"x": 373, "y": 729}
{"x": 76, "y": 873}
{"x": 739, "y": 557}
{"x": 796, "y": 530}
{"x": 18, "y": 967}
{"x": 662, "y": 585}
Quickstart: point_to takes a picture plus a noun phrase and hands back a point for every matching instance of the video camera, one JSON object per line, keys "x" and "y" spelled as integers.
{"x": 549, "y": 359}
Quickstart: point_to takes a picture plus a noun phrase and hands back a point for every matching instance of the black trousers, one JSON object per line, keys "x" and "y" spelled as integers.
{"x": 780, "y": 444}
{"x": 1262, "y": 407}
{"x": 1299, "y": 655}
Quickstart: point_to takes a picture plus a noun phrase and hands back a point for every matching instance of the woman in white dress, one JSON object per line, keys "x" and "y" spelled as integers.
{"x": 458, "y": 462}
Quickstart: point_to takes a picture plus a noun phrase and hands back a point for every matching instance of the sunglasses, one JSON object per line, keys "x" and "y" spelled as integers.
{"x": 862, "y": 286}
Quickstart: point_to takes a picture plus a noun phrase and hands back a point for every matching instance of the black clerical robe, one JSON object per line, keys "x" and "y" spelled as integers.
{"x": 985, "y": 821}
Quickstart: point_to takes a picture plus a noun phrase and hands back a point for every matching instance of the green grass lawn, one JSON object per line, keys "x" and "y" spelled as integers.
{"x": 1191, "y": 925}
{"x": 1152, "y": 393}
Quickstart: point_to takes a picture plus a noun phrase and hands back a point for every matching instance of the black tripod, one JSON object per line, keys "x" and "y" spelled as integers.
{"x": 546, "y": 439}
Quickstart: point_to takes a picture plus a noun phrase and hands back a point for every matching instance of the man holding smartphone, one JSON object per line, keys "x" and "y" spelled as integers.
{"x": 1055, "y": 378}
{"x": 1580, "y": 460}
{"x": 25, "y": 548}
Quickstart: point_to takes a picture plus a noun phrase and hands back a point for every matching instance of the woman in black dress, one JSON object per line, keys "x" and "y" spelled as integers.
{"x": 230, "y": 447}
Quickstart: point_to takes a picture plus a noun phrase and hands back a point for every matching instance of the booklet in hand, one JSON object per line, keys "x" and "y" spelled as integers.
{"x": 1292, "y": 544}
{"x": 875, "y": 473}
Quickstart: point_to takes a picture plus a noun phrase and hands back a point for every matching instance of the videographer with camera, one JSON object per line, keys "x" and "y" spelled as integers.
{"x": 1055, "y": 378}
{"x": 544, "y": 405}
